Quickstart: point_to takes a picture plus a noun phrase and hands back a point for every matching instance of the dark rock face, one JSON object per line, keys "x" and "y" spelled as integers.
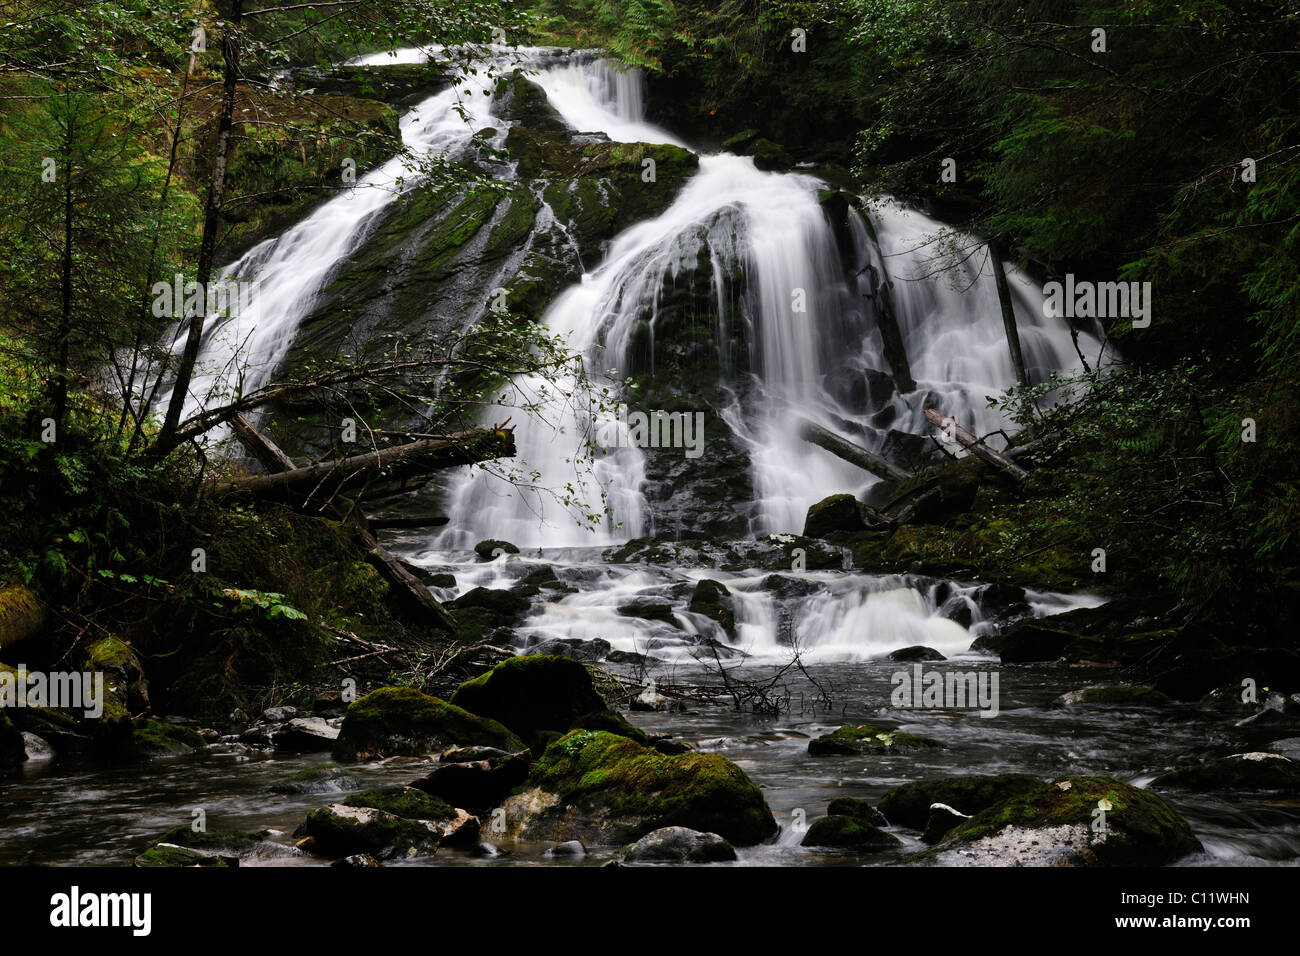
{"x": 836, "y": 513}
{"x": 917, "y": 652}
{"x": 714, "y": 601}
{"x": 400, "y": 720}
{"x": 679, "y": 845}
{"x": 477, "y": 784}
{"x": 532, "y": 694}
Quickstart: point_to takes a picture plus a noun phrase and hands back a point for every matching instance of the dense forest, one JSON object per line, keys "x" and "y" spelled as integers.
{"x": 320, "y": 531}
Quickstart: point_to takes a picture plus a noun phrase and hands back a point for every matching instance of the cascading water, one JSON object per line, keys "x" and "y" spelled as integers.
{"x": 803, "y": 319}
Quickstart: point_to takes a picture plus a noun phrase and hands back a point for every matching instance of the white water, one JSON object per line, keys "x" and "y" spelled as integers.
{"x": 770, "y": 227}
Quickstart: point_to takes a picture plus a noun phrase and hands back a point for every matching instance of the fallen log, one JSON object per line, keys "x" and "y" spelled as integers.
{"x": 415, "y": 597}
{"x": 413, "y": 462}
{"x": 976, "y": 446}
{"x": 1008, "y": 313}
{"x": 1033, "y": 447}
{"x": 853, "y": 453}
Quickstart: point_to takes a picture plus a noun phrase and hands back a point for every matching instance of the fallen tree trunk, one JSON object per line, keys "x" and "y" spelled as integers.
{"x": 853, "y": 453}
{"x": 976, "y": 446}
{"x": 413, "y": 462}
{"x": 1032, "y": 447}
{"x": 1008, "y": 314}
{"x": 415, "y": 597}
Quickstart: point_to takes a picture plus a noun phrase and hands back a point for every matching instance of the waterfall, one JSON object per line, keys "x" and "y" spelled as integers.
{"x": 770, "y": 228}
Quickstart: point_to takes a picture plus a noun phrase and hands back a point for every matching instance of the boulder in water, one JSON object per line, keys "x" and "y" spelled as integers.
{"x": 864, "y": 739}
{"x": 531, "y": 694}
{"x": 679, "y": 845}
{"x": 323, "y": 778}
{"x": 476, "y": 784}
{"x": 612, "y": 722}
{"x": 306, "y": 735}
{"x": 605, "y": 789}
{"x": 858, "y": 809}
{"x": 832, "y": 514}
{"x": 1249, "y": 771}
{"x": 1058, "y": 824}
{"x": 850, "y": 833}
{"x": 713, "y": 600}
{"x": 909, "y": 805}
{"x": 400, "y": 720}
{"x": 343, "y": 830}
{"x": 917, "y": 652}
{"x": 492, "y": 549}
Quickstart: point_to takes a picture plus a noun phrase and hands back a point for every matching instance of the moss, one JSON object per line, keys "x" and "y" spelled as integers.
{"x": 21, "y": 614}
{"x": 227, "y": 841}
{"x": 1142, "y": 828}
{"x": 540, "y": 692}
{"x": 835, "y": 513}
{"x": 177, "y": 856}
{"x": 863, "y": 739}
{"x": 858, "y": 809}
{"x": 322, "y": 778}
{"x": 909, "y": 805}
{"x": 401, "y": 720}
{"x": 152, "y": 738}
{"x": 847, "y": 832}
{"x": 405, "y": 802}
{"x": 613, "y": 723}
{"x": 605, "y": 774}
{"x": 344, "y": 830}
{"x": 1271, "y": 772}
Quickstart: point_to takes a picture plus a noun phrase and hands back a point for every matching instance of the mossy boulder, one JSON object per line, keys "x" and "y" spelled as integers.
{"x": 713, "y": 600}
{"x": 649, "y": 611}
{"x": 169, "y": 855}
{"x": 1249, "y": 771}
{"x": 1113, "y": 695}
{"x": 492, "y": 548}
{"x": 22, "y": 615}
{"x": 850, "y": 833}
{"x": 341, "y": 830}
{"x": 476, "y": 784}
{"x": 605, "y": 789}
{"x": 909, "y": 805}
{"x": 1052, "y": 825}
{"x": 611, "y": 722}
{"x": 405, "y": 802}
{"x": 858, "y": 809}
{"x": 837, "y": 513}
{"x": 154, "y": 738}
{"x": 124, "y": 678}
{"x": 322, "y": 778}
{"x": 401, "y": 720}
{"x": 864, "y": 739}
{"x": 228, "y": 842}
{"x": 531, "y": 694}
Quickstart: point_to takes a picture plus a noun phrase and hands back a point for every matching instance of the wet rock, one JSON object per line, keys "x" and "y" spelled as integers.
{"x": 679, "y": 845}
{"x": 850, "y": 833}
{"x": 167, "y": 854}
{"x": 864, "y": 739}
{"x": 441, "y": 580}
{"x": 185, "y": 846}
{"x": 278, "y": 715}
{"x": 588, "y": 651}
{"x": 306, "y": 735}
{"x": 834, "y": 513}
{"x": 786, "y": 587}
{"x": 626, "y": 657}
{"x": 942, "y": 820}
{"x": 713, "y": 600}
{"x": 1113, "y": 695}
{"x": 570, "y": 850}
{"x": 1287, "y": 747}
{"x": 1052, "y": 825}
{"x": 458, "y": 827}
{"x": 323, "y": 778}
{"x": 649, "y": 611}
{"x": 604, "y": 789}
{"x": 1026, "y": 642}
{"x": 858, "y": 810}
{"x": 670, "y": 747}
{"x": 531, "y": 694}
{"x": 471, "y": 754}
{"x": 400, "y": 720}
{"x": 1249, "y": 771}
{"x": 542, "y": 579}
{"x": 917, "y": 652}
{"x": 478, "y": 784}
{"x": 909, "y": 805}
{"x": 491, "y": 549}
{"x": 152, "y": 739}
{"x": 343, "y": 830}
{"x": 356, "y": 861}
{"x": 36, "y": 748}
{"x": 506, "y": 604}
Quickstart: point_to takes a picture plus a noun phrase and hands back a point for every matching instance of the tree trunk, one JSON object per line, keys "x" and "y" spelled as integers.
{"x": 852, "y": 453}
{"x": 412, "y": 462}
{"x": 1008, "y": 313}
{"x": 977, "y": 446}
{"x": 207, "y": 247}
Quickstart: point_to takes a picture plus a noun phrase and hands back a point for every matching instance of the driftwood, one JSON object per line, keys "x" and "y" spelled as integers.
{"x": 413, "y": 463}
{"x": 852, "y": 453}
{"x": 1008, "y": 313}
{"x": 415, "y": 597}
{"x": 976, "y": 446}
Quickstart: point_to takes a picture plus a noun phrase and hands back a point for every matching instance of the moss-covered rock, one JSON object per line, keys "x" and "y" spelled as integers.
{"x": 611, "y": 722}
{"x": 532, "y": 694}
{"x": 1053, "y": 825}
{"x": 124, "y": 678}
{"x": 713, "y": 600}
{"x": 1250, "y": 771}
{"x": 322, "y": 778}
{"x": 857, "y": 809}
{"x": 153, "y": 738}
{"x": 226, "y": 842}
{"x": 22, "y": 615}
{"x": 909, "y": 805}
{"x": 401, "y": 720}
{"x": 605, "y": 789}
{"x": 342, "y": 830}
{"x": 837, "y": 513}
{"x": 164, "y": 855}
{"x": 1114, "y": 695}
{"x": 864, "y": 739}
{"x": 492, "y": 548}
{"x": 851, "y": 833}
{"x": 405, "y": 802}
